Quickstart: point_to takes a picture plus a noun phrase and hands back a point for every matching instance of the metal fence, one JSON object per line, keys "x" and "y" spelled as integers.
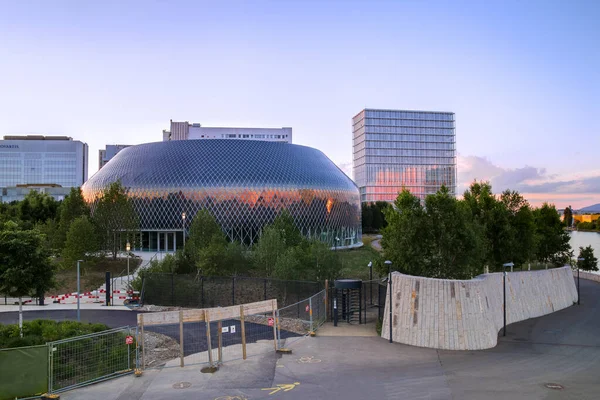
{"x": 302, "y": 318}
{"x": 87, "y": 359}
{"x": 23, "y": 372}
{"x": 195, "y": 291}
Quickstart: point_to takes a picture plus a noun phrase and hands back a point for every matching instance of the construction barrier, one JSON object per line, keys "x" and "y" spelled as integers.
{"x": 23, "y": 372}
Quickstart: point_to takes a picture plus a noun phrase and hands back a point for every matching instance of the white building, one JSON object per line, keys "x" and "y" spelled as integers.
{"x": 186, "y": 131}
{"x": 43, "y": 160}
{"x": 109, "y": 152}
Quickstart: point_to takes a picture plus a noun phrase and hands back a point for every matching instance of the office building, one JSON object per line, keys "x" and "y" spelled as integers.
{"x": 186, "y": 131}
{"x": 243, "y": 184}
{"x": 42, "y": 160}
{"x": 19, "y": 192}
{"x": 395, "y": 149}
{"x": 111, "y": 150}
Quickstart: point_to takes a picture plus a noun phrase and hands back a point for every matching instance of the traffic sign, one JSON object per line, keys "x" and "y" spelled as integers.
{"x": 129, "y": 339}
{"x": 271, "y": 321}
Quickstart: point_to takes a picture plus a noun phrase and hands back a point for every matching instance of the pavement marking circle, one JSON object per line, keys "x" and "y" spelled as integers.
{"x": 308, "y": 360}
{"x": 182, "y": 385}
{"x": 231, "y": 398}
{"x": 554, "y": 386}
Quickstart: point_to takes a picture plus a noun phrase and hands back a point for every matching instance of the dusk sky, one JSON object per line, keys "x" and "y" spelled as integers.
{"x": 522, "y": 77}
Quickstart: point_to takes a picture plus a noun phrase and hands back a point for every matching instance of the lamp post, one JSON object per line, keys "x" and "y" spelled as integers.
{"x": 578, "y": 259}
{"x": 509, "y": 264}
{"x": 183, "y": 225}
{"x": 370, "y": 283}
{"x": 128, "y": 247}
{"x": 337, "y": 241}
{"x": 389, "y": 265}
{"x": 78, "y": 292}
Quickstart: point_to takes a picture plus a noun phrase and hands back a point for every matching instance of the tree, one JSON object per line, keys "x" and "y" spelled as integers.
{"x": 591, "y": 262}
{"x": 553, "y": 240}
{"x": 204, "y": 227}
{"x": 290, "y": 233}
{"x": 115, "y": 218}
{"x": 269, "y": 248}
{"x": 521, "y": 221}
{"x": 493, "y": 217}
{"x": 72, "y": 207}
{"x": 568, "y": 217}
{"x": 367, "y": 217}
{"x": 37, "y": 207}
{"x": 25, "y": 267}
{"x": 405, "y": 237}
{"x": 81, "y": 243}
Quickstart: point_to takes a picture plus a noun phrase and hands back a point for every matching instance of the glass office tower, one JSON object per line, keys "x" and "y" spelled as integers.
{"x": 395, "y": 149}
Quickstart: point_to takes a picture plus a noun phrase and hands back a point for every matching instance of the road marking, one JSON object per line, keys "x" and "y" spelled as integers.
{"x": 231, "y": 398}
{"x": 284, "y": 387}
{"x": 308, "y": 360}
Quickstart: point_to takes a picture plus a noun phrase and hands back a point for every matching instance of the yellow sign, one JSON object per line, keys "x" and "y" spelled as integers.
{"x": 284, "y": 387}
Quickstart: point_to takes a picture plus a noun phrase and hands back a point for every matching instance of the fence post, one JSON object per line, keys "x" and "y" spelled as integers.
{"x": 310, "y": 314}
{"x": 181, "y": 336}
{"x": 274, "y": 324}
{"x": 201, "y": 292}
{"x": 243, "y": 332}
{"x": 172, "y": 290}
{"x": 220, "y": 335}
{"x": 278, "y": 331}
{"x": 265, "y": 285}
{"x": 50, "y": 362}
{"x": 233, "y": 291}
{"x": 207, "y": 319}
{"x": 326, "y": 299}
{"x": 142, "y": 341}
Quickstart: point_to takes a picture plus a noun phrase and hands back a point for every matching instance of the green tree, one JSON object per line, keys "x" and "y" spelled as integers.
{"x": 568, "y": 216}
{"x": 454, "y": 241}
{"x": 522, "y": 224}
{"x": 553, "y": 241}
{"x": 37, "y": 207}
{"x": 115, "y": 218}
{"x": 202, "y": 230}
{"x": 493, "y": 218}
{"x": 590, "y": 262}
{"x": 367, "y": 217}
{"x": 72, "y": 207}
{"x": 268, "y": 249}
{"x": 321, "y": 262}
{"x": 81, "y": 243}
{"x": 290, "y": 233}
{"x": 211, "y": 259}
{"x": 405, "y": 239}
{"x": 380, "y": 207}
{"x": 25, "y": 267}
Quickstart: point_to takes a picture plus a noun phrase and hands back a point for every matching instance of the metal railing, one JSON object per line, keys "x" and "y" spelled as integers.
{"x": 302, "y": 318}
{"x": 83, "y": 360}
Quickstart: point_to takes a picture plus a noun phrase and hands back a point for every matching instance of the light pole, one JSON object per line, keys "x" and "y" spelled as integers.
{"x": 78, "y": 292}
{"x": 509, "y": 264}
{"x": 183, "y": 225}
{"x": 389, "y": 265}
{"x": 370, "y": 283}
{"x": 579, "y": 259}
{"x": 337, "y": 241}
{"x": 128, "y": 247}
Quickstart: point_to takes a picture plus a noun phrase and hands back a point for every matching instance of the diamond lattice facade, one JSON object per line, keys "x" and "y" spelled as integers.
{"x": 243, "y": 184}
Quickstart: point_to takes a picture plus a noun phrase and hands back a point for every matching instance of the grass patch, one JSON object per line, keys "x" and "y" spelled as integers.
{"x": 355, "y": 262}
{"x": 92, "y": 276}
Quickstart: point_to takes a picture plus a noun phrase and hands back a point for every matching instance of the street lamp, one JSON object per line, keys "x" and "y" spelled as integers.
{"x": 183, "y": 224}
{"x": 508, "y": 264}
{"x": 389, "y": 265}
{"x": 78, "y": 291}
{"x": 579, "y": 259}
{"x": 128, "y": 247}
{"x": 337, "y": 241}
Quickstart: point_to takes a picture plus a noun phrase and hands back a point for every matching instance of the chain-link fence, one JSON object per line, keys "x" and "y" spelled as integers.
{"x": 87, "y": 359}
{"x": 302, "y": 318}
{"x": 196, "y": 291}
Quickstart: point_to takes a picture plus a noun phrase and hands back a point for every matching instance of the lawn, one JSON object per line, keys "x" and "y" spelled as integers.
{"x": 92, "y": 277}
{"x": 355, "y": 262}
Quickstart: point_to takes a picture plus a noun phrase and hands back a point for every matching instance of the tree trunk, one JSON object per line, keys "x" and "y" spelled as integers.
{"x": 20, "y": 316}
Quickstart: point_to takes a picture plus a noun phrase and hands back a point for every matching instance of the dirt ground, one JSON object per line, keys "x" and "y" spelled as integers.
{"x": 92, "y": 277}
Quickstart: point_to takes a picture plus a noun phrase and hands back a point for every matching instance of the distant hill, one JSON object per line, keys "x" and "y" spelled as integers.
{"x": 590, "y": 209}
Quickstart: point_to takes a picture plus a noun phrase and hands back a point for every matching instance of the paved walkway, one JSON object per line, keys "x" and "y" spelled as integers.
{"x": 562, "y": 348}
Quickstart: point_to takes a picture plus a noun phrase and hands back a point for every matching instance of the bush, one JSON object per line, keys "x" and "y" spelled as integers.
{"x": 40, "y": 331}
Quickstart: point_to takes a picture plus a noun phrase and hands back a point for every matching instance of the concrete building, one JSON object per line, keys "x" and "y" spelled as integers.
{"x": 396, "y": 148}
{"x": 42, "y": 160}
{"x": 186, "y": 131}
{"x": 109, "y": 152}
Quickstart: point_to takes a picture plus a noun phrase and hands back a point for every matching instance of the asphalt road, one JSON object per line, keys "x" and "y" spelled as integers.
{"x": 562, "y": 348}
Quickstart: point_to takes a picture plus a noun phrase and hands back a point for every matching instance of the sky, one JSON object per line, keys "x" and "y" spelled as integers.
{"x": 522, "y": 77}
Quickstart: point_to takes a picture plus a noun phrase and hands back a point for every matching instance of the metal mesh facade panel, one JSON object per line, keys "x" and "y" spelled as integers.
{"x": 243, "y": 184}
